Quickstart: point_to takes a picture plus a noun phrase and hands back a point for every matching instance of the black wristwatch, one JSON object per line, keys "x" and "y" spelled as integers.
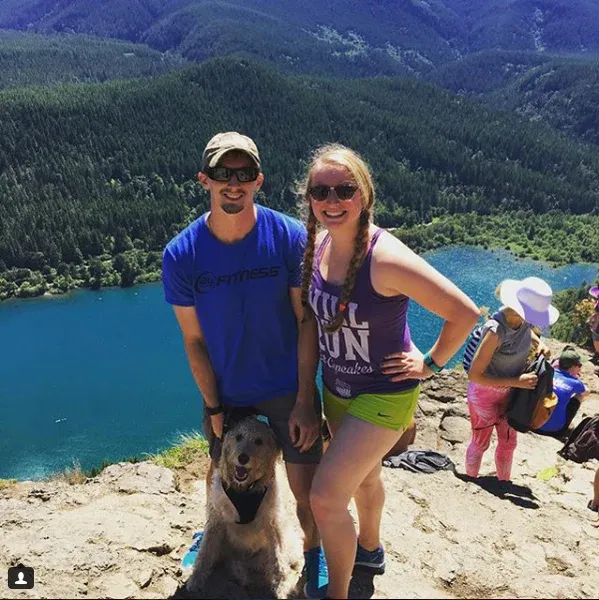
{"x": 214, "y": 410}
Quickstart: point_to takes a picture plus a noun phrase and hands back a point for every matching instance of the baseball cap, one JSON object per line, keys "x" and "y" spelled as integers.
{"x": 569, "y": 358}
{"x": 225, "y": 142}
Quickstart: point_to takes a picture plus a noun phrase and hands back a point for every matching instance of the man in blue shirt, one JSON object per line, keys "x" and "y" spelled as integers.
{"x": 233, "y": 278}
{"x": 570, "y": 392}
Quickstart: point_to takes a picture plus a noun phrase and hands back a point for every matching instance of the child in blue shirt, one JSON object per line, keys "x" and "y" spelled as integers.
{"x": 570, "y": 392}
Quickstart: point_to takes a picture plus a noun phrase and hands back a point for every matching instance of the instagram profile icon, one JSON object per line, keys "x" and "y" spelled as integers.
{"x": 20, "y": 578}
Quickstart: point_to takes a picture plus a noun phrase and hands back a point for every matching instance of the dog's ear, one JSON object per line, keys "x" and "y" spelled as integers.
{"x": 268, "y": 431}
{"x": 272, "y": 435}
{"x": 273, "y": 438}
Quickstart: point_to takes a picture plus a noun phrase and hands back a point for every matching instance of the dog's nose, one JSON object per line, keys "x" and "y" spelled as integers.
{"x": 243, "y": 459}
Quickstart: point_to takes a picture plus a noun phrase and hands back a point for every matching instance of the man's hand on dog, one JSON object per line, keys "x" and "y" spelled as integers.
{"x": 304, "y": 426}
{"x": 217, "y": 422}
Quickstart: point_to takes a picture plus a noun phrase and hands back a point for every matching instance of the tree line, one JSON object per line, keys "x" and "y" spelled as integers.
{"x": 89, "y": 172}
{"x": 31, "y": 59}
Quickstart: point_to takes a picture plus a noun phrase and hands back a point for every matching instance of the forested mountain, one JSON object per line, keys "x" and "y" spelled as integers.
{"x": 33, "y": 59}
{"x": 518, "y": 55}
{"x": 343, "y": 37}
{"x": 565, "y": 26}
{"x": 532, "y": 56}
{"x": 95, "y": 177}
{"x": 561, "y": 91}
{"x": 482, "y": 73}
{"x": 100, "y": 169}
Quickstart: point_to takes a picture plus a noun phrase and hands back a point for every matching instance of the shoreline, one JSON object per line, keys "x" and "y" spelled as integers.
{"x": 98, "y": 310}
{"x": 149, "y": 278}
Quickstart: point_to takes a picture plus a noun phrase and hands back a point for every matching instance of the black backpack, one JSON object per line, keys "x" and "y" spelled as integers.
{"x": 531, "y": 409}
{"x": 583, "y": 442}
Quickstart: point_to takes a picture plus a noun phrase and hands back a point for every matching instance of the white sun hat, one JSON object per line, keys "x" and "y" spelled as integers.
{"x": 531, "y": 299}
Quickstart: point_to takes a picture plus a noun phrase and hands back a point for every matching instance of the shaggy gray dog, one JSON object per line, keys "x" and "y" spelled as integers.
{"x": 243, "y": 528}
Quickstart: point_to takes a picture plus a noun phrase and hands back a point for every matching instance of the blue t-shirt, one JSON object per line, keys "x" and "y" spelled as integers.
{"x": 565, "y": 387}
{"x": 241, "y": 295}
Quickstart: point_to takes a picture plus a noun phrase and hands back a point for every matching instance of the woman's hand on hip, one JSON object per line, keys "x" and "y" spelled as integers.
{"x": 405, "y": 365}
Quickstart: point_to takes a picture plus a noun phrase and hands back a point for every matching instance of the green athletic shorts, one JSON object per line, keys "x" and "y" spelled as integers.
{"x": 392, "y": 411}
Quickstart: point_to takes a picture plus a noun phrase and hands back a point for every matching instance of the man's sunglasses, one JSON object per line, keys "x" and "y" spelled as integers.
{"x": 243, "y": 174}
{"x": 321, "y": 192}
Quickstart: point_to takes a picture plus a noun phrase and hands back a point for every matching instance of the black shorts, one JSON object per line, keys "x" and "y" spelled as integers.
{"x": 277, "y": 411}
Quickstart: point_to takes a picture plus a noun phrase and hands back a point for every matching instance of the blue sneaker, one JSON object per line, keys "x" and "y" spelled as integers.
{"x": 371, "y": 561}
{"x": 317, "y": 574}
{"x": 190, "y": 555}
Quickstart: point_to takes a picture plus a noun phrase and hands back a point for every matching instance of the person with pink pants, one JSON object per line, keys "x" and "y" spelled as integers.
{"x": 498, "y": 366}
{"x": 487, "y": 407}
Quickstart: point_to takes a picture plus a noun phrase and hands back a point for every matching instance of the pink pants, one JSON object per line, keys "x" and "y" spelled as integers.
{"x": 487, "y": 407}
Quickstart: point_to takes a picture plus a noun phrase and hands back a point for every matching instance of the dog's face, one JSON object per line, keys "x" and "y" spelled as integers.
{"x": 249, "y": 454}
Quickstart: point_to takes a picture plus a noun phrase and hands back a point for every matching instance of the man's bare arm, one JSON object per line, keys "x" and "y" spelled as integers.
{"x": 304, "y": 424}
{"x": 197, "y": 354}
{"x": 307, "y": 349}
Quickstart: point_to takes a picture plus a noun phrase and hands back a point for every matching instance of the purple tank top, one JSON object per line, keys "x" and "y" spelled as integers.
{"x": 374, "y": 327}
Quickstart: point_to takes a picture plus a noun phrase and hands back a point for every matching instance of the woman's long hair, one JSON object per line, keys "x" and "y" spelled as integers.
{"x": 338, "y": 155}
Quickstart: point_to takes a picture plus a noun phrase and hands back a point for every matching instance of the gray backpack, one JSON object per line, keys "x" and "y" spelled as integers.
{"x": 420, "y": 461}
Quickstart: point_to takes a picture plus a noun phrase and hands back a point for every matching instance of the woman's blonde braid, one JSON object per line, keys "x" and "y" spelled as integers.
{"x": 352, "y": 271}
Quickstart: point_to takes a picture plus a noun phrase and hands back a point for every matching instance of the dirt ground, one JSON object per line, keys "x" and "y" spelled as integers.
{"x": 122, "y": 534}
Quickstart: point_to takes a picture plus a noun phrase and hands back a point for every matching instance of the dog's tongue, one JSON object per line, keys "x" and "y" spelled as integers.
{"x": 241, "y": 472}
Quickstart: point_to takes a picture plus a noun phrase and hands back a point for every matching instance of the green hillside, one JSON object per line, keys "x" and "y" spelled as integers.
{"x": 481, "y": 73}
{"x": 338, "y": 37}
{"x": 563, "y": 26}
{"x": 32, "y": 59}
{"x": 111, "y": 166}
{"x": 206, "y": 30}
{"x": 125, "y": 19}
{"x": 562, "y": 91}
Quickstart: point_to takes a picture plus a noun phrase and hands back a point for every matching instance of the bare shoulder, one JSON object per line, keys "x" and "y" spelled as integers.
{"x": 391, "y": 254}
{"x": 396, "y": 269}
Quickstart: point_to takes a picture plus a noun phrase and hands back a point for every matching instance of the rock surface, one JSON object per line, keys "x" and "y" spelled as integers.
{"x": 123, "y": 533}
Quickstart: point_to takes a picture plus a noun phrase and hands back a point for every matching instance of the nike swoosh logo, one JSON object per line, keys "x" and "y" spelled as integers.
{"x": 382, "y": 415}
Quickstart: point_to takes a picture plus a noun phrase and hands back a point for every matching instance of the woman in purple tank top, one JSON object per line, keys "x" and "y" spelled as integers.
{"x": 357, "y": 283}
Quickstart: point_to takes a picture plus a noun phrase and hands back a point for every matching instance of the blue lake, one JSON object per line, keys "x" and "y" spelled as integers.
{"x": 103, "y": 375}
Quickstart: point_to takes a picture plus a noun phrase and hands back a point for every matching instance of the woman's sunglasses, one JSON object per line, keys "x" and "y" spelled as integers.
{"x": 222, "y": 174}
{"x": 321, "y": 192}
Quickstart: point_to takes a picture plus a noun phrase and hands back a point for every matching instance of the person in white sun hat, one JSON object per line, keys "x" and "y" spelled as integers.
{"x": 498, "y": 366}
{"x": 531, "y": 299}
